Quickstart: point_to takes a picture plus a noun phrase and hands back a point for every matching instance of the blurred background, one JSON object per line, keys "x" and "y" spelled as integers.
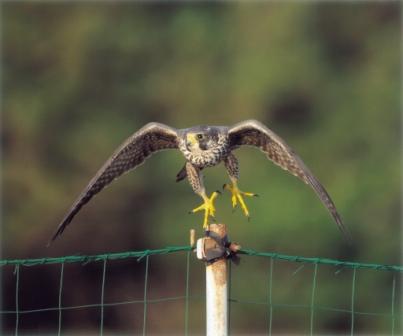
{"x": 79, "y": 78}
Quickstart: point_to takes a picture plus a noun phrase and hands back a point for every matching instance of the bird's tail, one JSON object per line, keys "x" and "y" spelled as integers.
{"x": 182, "y": 174}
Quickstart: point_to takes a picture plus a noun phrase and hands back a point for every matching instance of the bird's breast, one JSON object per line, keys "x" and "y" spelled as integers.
{"x": 205, "y": 158}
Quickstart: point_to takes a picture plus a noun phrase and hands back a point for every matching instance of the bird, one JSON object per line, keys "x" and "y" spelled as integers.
{"x": 202, "y": 147}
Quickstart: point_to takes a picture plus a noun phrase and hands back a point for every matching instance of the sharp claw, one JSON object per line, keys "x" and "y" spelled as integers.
{"x": 238, "y": 198}
{"x": 247, "y": 194}
{"x": 208, "y": 208}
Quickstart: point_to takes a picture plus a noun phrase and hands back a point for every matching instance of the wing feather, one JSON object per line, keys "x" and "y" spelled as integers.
{"x": 133, "y": 152}
{"x": 254, "y": 133}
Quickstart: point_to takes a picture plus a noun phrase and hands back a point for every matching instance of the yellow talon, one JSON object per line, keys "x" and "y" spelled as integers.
{"x": 208, "y": 207}
{"x": 237, "y": 198}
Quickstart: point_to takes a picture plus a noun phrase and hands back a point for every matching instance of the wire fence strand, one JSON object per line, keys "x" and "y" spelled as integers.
{"x": 270, "y": 295}
{"x": 101, "y": 325}
{"x": 315, "y": 273}
{"x": 145, "y": 295}
{"x": 393, "y": 305}
{"x": 187, "y": 294}
{"x": 353, "y": 301}
{"x": 17, "y": 290}
{"x": 59, "y": 327}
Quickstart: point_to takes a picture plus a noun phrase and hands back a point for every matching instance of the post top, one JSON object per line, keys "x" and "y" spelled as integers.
{"x": 219, "y": 229}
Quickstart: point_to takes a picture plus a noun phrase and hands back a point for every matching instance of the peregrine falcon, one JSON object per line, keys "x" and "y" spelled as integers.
{"x": 202, "y": 147}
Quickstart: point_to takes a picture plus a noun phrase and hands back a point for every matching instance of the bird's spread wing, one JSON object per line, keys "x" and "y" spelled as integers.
{"x": 151, "y": 138}
{"x": 254, "y": 133}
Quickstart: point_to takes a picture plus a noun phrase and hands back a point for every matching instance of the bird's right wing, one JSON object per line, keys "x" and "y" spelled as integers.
{"x": 151, "y": 138}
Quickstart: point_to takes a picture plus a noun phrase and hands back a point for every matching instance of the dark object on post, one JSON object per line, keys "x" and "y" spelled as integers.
{"x": 214, "y": 247}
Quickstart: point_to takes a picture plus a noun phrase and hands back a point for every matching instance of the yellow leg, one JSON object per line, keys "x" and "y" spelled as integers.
{"x": 237, "y": 196}
{"x": 208, "y": 207}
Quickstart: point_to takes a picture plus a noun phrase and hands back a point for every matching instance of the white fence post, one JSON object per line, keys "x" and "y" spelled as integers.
{"x": 217, "y": 291}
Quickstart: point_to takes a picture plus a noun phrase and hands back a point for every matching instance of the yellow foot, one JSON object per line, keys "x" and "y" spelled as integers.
{"x": 208, "y": 207}
{"x": 237, "y": 197}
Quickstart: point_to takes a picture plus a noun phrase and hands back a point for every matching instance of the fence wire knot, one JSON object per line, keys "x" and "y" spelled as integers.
{"x": 212, "y": 248}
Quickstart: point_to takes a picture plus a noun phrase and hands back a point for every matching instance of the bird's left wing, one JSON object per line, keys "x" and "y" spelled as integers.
{"x": 254, "y": 133}
{"x": 151, "y": 138}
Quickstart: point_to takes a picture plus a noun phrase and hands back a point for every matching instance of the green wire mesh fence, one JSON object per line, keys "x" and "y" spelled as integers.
{"x": 267, "y": 304}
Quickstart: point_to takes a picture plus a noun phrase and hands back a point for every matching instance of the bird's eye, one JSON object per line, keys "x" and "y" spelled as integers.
{"x": 199, "y": 136}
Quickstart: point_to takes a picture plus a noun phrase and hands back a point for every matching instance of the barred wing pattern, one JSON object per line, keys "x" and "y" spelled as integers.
{"x": 151, "y": 138}
{"x": 254, "y": 133}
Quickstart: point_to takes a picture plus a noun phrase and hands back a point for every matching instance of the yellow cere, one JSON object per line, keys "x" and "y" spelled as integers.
{"x": 191, "y": 138}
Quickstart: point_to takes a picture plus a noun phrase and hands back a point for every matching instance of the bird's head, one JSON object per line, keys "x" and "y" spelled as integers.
{"x": 201, "y": 138}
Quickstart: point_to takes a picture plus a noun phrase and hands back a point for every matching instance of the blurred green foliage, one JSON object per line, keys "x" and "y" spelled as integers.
{"x": 79, "y": 78}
